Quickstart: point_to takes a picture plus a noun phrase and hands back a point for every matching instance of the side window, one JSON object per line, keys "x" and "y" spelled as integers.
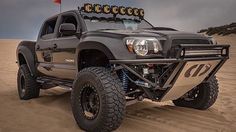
{"x": 49, "y": 28}
{"x": 68, "y": 19}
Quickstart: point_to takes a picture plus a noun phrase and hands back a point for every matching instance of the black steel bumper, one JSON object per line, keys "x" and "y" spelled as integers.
{"x": 186, "y": 52}
{"x": 163, "y": 61}
{"x": 181, "y": 55}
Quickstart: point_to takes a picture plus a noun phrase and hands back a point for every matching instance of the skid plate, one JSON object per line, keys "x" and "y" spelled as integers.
{"x": 193, "y": 73}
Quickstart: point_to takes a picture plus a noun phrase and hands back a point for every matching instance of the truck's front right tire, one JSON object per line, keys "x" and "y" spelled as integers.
{"x": 98, "y": 100}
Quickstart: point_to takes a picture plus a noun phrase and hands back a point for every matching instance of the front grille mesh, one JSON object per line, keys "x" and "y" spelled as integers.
{"x": 176, "y": 42}
{"x": 189, "y": 41}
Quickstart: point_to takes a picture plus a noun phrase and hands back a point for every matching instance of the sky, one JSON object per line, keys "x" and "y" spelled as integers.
{"x": 22, "y": 19}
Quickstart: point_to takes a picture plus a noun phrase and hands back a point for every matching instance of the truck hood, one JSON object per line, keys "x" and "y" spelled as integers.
{"x": 153, "y": 33}
{"x": 168, "y": 39}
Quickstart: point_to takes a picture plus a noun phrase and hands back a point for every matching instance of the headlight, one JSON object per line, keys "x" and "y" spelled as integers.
{"x": 143, "y": 45}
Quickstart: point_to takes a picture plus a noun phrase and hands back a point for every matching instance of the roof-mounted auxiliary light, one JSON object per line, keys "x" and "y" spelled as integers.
{"x": 88, "y": 8}
{"x": 115, "y": 10}
{"x": 129, "y": 11}
{"x": 136, "y": 12}
{"x": 122, "y": 10}
{"x": 107, "y": 9}
{"x": 97, "y": 8}
{"x": 141, "y": 12}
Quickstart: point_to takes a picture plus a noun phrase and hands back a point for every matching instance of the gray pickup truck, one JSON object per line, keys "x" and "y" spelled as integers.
{"x": 111, "y": 57}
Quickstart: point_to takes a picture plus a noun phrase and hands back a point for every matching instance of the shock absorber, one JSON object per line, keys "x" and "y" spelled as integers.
{"x": 125, "y": 80}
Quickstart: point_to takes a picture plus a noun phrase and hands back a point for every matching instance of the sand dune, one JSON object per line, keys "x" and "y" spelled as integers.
{"x": 51, "y": 112}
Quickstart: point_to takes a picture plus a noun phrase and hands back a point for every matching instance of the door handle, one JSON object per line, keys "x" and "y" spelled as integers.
{"x": 54, "y": 46}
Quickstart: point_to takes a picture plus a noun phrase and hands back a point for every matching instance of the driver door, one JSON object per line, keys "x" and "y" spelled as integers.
{"x": 64, "y": 50}
{"x": 44, "y": 45}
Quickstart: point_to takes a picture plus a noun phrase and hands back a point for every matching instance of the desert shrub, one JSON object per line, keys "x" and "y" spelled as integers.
{"x": 221, "y": 30}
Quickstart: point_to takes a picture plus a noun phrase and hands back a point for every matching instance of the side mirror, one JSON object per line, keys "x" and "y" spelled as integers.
{"x": 67, "y": 29}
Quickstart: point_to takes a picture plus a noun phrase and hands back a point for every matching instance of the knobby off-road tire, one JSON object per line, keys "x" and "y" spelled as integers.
{"x": 28, "y": 88}
{"x": 98, "y": 100}
{"x": 202, "y": 97}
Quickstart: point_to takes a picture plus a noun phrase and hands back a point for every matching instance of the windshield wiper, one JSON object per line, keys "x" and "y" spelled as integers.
{"x": 107, "y": 29}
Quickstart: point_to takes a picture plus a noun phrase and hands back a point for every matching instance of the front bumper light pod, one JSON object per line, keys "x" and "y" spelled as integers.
{"x": 141, "y": 45}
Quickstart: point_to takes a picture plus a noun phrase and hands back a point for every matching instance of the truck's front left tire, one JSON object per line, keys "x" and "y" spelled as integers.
{"x": 98, "y": 100}
{"x": 27, "y": 86}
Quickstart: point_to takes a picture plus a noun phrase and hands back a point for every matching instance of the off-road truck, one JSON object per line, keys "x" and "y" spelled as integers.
{"x": 111, "y": 57}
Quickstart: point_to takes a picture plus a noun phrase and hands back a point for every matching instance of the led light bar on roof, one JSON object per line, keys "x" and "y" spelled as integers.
{"x": 107, "y": 9}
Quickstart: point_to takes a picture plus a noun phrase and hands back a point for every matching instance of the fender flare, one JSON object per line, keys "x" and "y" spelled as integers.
{"x": 29, "y": 58}
{"x": 92, "y": 45}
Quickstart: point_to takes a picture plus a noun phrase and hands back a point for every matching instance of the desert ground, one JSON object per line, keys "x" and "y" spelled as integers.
{"x": 52, "y": 112}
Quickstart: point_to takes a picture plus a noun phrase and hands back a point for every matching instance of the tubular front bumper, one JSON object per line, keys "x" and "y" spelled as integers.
{"x": 186, "y": 57}
{"x": 186, "y": 52}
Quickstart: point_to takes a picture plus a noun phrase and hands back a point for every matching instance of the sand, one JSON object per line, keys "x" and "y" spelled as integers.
{"x": 52, "y": 113}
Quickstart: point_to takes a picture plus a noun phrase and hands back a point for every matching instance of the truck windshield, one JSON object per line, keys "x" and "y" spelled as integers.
{"x": 122, "y": 24}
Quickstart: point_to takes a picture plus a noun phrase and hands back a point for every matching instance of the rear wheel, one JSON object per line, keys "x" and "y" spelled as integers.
{"x": 202, "y": 97}
{"x": 28, "y": 88}
{"x": 98, "y": 100}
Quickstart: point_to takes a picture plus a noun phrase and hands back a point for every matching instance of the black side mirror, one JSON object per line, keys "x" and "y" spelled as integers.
{"x": 67, "y": 29}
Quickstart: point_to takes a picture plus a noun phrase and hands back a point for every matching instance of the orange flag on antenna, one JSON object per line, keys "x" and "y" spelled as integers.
{"x": 57, "y": 1}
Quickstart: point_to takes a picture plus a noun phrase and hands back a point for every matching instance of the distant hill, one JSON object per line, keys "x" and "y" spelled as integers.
{"x": 221, "y": 30}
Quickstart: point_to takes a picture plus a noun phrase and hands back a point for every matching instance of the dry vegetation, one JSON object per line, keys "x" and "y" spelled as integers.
{"x": 221, "y": 30}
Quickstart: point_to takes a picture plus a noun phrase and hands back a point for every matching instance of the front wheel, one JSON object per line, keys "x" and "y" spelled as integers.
{"x": 202, "y": 97}
{"x": 98, "y": 100}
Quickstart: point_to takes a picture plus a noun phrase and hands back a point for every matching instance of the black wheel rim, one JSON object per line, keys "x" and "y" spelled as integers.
{"x": 90, "y": 102}
{"x": 22, "y": 86}
{"x": 194, "y": 94}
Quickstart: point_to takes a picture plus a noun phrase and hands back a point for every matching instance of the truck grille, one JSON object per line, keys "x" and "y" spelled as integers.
{"x": 177, "y": 42}
{"x": 189, "y": 41}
